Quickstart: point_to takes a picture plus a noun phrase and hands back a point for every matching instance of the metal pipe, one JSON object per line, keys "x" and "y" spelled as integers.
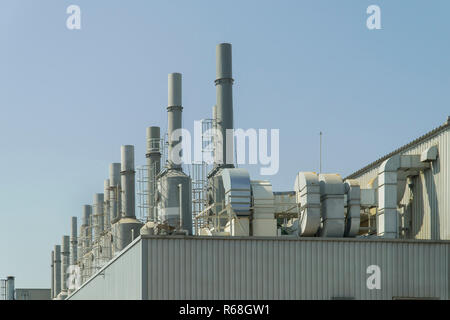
{"x": 57, "y": 270}
{"x": 106, "y": 206}
{"x": 73, "y": 242}
{"x": 114, "y": 181}
{"x": 10, "y": 288}
{"x": 224, "y": 95}
{"x": 153, "y": 166}
{"x": 65, "y": 252}
{"x": 174, "y": 110}
{"x": 180, "y": 193}
{"x": 52, "y": 278}
{"x": 86, "y": 233}
{"x": 98, "y": 215}
{"x": 127, "y": 176}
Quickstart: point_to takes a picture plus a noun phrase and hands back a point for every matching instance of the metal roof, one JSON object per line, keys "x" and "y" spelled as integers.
{"x": 432, "y": 133}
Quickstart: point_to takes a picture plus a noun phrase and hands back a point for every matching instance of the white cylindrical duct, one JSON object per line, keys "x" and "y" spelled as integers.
{"x": 153, "y": 166}
{"x": 10, "y": 288}
{"x": 180, "y": 198}
{"x": 57, "y": 270}
{"x": 114, "y": 191}
{"x": 106, "y": 205}
{"x": 174, "y": 109}
{"x": 127, "y": 179}
{"x": 65, "y": 252}
{"x": 98, "y": 215}
{"x": 224, "y": 95}
{"x": 73, "y": 242}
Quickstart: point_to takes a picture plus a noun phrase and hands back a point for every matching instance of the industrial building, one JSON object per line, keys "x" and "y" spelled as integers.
{"x": 381, "y": 233}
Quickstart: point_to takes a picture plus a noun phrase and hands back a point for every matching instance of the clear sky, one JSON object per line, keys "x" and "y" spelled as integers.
{"x": 70, "y": 98}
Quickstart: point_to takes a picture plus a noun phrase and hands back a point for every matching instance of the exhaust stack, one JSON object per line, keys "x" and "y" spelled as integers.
{"x": 57, "y": 270}
{"x": 114, "y": 194}
{"x": 98, "y": 215}
{"x": 65, "y": 252}
{"x": 174, "y": 110}
{"x": 73, "y": 242}
{"x": 154, "y": 166}
{"x": 224, "y": 107}
{"x": 127, "y": 178}
{"x": 85, "y": 232}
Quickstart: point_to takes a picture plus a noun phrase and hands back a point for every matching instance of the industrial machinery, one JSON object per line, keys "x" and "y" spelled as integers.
{"x": 232, "y": 204}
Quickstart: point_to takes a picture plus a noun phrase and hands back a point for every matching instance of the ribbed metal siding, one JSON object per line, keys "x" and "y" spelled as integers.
{"x": 119, "y": 279}
{"x": 212, "y": 268}
{"x": 431, "y": 198}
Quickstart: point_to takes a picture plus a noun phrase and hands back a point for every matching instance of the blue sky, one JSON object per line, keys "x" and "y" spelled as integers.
{"x": 70, "y": 99}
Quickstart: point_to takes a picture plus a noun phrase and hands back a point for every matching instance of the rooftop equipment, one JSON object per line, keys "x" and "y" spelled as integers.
{"x": 98, "y": 215}
{"x": 52, "y": 278}
{"x": 65, "y": 252}
{"x": 10, "y": 288}
{"x": 224, "y": 110}
{"x": 57, "y": 270}
{"x": 114, "y": 194}
{"x": 73, "y": 242}
{"x": 174, "y": 202}
{"x": 128, "y": 226}
{"x": 85, "y": 230}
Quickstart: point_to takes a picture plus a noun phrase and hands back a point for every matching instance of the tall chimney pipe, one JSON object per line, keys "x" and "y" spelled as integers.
{"x": 174, "y": 109}
{"x": 114, "y": 194}
{"x": 154, "y": 166}
{"x": 85, "y": 232}
{"x": 52, "y": 278}
{"x": 98, "y": 215}
{"x": 65, "y": 252}
{"x": 127, "y": 177}
{"x": 107, "y": 205}
{"x": 224, "y": 110}
{"x": 10, "y": 288}
{"x": 73, "y": 242}
{"x": 57, "y": 270}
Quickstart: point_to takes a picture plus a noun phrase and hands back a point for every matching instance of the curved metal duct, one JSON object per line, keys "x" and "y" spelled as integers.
{"x": 236, "y": 184}
{"x": 308, "y": 198}
{"x": 353, "y": 219}
{"x": 332, "y": 205}
{"x": 263, "y": 221}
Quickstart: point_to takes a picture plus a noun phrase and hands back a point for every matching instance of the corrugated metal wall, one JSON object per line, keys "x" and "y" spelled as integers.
{"x": 252, "y": 268}
{"x": 119, "y": 279}
{"x": 430, "y": 208}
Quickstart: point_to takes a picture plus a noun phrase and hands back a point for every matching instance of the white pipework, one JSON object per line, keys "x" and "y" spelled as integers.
{"x": 389, "y": 191}
{"x": 180, "y": 197}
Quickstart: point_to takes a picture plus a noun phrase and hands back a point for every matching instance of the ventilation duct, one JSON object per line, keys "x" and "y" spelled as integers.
{"x": 390, "y": 190}
{"x": 307, "y": 191}
{"x": 332, "y": 205}
{"x": 107, "y": 205}
{"x": 10, "y": 288}
{"x": 154, "y": 167}
{"x": 98, "y": 215}
{"x": 353, "y": 218}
